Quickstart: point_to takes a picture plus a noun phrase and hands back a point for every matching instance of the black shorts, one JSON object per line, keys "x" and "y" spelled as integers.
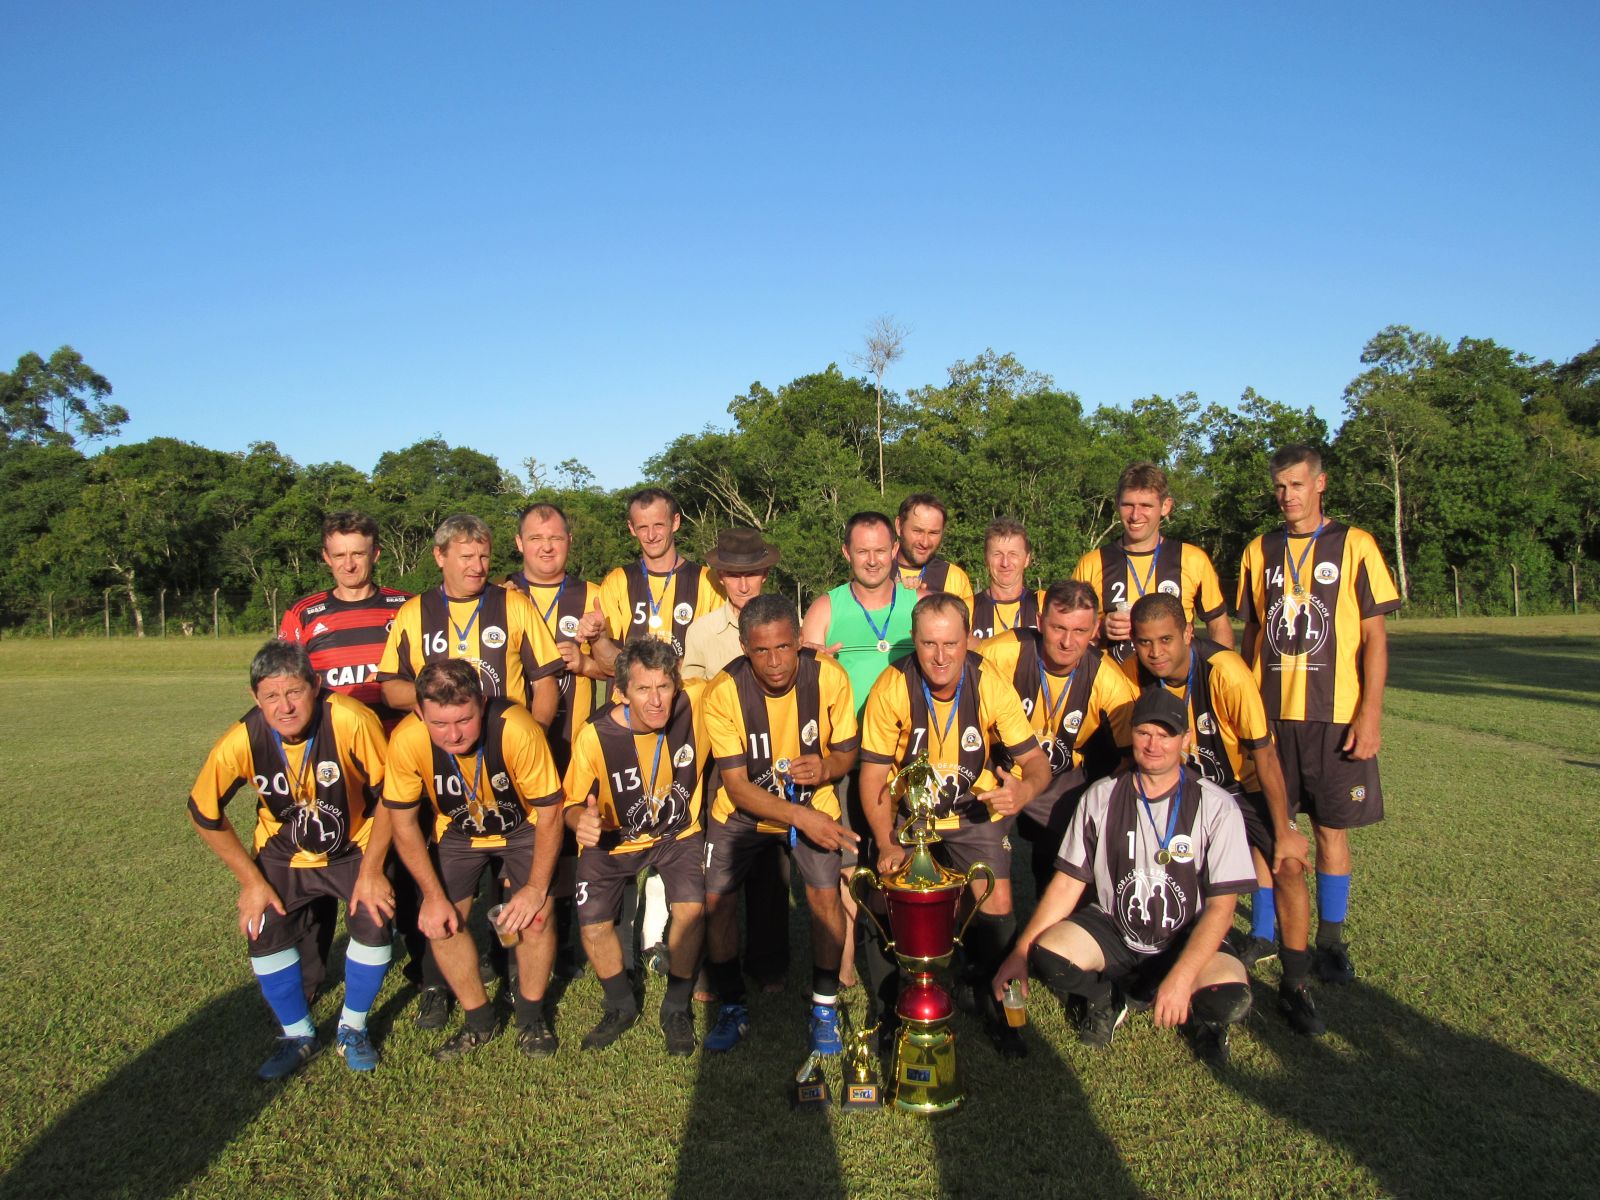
{"x": 601, "y": 876}
{"x": 461, "y": 865}
{"x": 297, "y": 887}
{"x": 853, "y": 818}
{"x": 1333, "y": 789}
{"x": 1257, "y": 823}
{"x": 732, "y": 847}
{"x": 1139, "y": 975}
{"x": 1050, "y": 812}
{"x": 987, "y": 842}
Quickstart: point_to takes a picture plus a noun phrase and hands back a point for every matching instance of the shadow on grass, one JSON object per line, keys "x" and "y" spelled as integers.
{"x": 1426, "y": 1109}
{"x": 1469, "y": 664}
{"x": 159, "y": 1121}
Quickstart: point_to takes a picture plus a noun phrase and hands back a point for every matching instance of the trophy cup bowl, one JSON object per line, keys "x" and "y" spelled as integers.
{"x": 922, "y": 897}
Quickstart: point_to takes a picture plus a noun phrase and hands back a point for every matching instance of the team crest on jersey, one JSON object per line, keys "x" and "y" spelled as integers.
{"x": 568, "y": 626}
{"x": 1147, "y": 900}
{"x": 1205, "y": 724}
{"x": 327, "y": 773}
{"x": 683, "y": 613}
{"x": 1358, "y": 793}
{"x": 808, "y": 734}
{"x": 684, "y": 756}
{"x": 317, "y": 828}
{"x": 1169, "y": 587}
{"x": 1072, "y": 720}
{"x": 970, "y": 739}
{"x": 500, "y": 782}
{"x": 492, "y": 685}
{"x": 1326, "y": 572}
{"x": 1181, "y": 848}
{"x": 494, "y": 637}
{"x": 1296, "y": 627}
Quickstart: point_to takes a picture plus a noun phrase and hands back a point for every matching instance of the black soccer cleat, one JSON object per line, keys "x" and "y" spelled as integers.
{"x": 1252, "y": 949}
{"x": 535, "y": 1038}
{"x": 1210, "y": 1041}
{"x": 1332, "y": 964}
{"x": 677, "y": 1027}
{"x": 613, "y": 1024}
{"x": 1100, "y": 1021}
{"x": 1300, "y": 1011}
{"x": 433, "y": 1008}
{"x": 462, "y": 1042}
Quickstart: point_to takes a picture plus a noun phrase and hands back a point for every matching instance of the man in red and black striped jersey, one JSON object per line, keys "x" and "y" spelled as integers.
{"x": 345, "y": 627}
{"x": 1314, "y": 596}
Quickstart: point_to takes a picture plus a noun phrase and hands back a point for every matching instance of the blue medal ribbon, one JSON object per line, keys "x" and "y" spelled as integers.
{"x": 462, "y": 632}
{"x": 650, "y": 596}
{"x": 655, "y": 764}
{"x": 471, "y": 790}
{"x": 1172, "y": 816}
{"x": 1150, "y": 577}
{"x": 545, "y": 615}
{"x": 1295, "y": 567}
{"x": 297, "y": 779}
{"x": 883, "y": 634}
{"x": 955, "y": 707}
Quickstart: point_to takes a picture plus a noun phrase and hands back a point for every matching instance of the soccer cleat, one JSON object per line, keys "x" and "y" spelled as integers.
{"x": 1252, "y": 949}
{"x": 613, "y": 1024}
{"x": 657, "y": 959}
{"x": 1298, "y": 1009}
{"x": 677, "y": 1027}
{"x": 464, "y": 1041}
{"x": 535, "y": 1038}
{"x": 1332, "y": 964}
{"x": 732, "y": 1023}
{"x": 433, "y": 1008}
{"x": 824, "y": 1030}
{"x": 292, "y": 1053}
{"x": 1209, "y": 1040}
{"x": 356, "y": 1048}
{"x": 1007, "y": 1040}
{"x": 1100, "y": 1021}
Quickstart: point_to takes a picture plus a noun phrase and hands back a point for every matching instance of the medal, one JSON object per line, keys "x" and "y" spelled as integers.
{"x": 655, "y": 620}
{"x": 781, "y": 766}
{"x": 883, "y": 646}
{"x": 883, "y": 634}
{"x": 650, "y": 595}
{"x": 1163, "y": 857}
{"x": 461, "y": 631}
{"x": 1296, "y": 567}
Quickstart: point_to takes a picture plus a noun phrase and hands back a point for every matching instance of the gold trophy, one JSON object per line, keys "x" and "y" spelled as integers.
{"x": 922, "y": 897}
{"x": 810, "y": 1088}
{"x": 861, "y": 1090}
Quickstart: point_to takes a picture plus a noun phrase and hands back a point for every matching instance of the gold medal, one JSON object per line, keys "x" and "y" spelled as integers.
{"x": 1163, "y": 857}
{"x": 883, "y": 646}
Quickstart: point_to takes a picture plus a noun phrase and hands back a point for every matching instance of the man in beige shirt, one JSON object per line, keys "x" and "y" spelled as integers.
{"x": 741, "y": 559}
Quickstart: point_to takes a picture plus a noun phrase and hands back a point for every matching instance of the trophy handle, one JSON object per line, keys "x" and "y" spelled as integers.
{"x": 976, "y": 869}
{"x": 864, "y": 875}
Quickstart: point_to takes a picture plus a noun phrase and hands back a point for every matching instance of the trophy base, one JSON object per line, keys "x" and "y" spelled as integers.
{"x": 925, "y": 1079}
{"x": 810, "y": 1094}
{"x": 861, "y": 1097}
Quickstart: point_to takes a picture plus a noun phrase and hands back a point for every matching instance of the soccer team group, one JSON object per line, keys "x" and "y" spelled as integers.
{"x": 541, "y": 744}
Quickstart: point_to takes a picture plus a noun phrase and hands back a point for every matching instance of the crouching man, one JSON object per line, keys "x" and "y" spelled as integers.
{"x": 1165, "y": 855}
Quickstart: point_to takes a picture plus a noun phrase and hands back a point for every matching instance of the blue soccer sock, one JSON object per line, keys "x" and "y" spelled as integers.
{"x": 364, "y": 969}
{"x": 279, "y": 977}
{"x": 1333, "y": 897}
{"x": 1264, "y": 914}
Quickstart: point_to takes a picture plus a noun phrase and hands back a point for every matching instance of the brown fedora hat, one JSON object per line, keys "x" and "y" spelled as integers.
{"x": 741, "y": 550}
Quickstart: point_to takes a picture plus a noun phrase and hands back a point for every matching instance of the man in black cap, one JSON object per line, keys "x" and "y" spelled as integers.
{"x": 741, "y": 558}
{"x": 1164, "y": 855}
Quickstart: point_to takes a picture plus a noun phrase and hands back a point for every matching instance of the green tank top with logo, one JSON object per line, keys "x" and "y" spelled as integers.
{"x": 859, "y": 655}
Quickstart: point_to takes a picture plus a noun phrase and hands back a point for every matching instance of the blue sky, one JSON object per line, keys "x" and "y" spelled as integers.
{"x": 579, "y": 230}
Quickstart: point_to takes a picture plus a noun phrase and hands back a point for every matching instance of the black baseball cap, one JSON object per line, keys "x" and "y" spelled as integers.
{"x": 1157, "y": 706}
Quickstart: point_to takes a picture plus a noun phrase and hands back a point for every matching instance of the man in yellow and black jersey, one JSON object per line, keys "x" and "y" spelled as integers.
{"x": 633, "y": 801}
{"x": 1070, "y": 693}
{"x": 947, "y": 703}
{"x": 493, "y": 805}
{"x": 497, "y": 630}
{"x": 1006, "y": 603}
{"x": 919, "y": 532}
{"x": 782, "y": 723}
{"x": 1314, "y": 596}
{"x": 1143, "y": 562}
{"x": 316, "y": 761}
{"x": 660, "y": 595}
{"x": 1231, "y": 745}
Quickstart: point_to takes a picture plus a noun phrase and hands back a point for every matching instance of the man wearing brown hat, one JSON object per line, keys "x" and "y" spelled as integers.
{"x": 741, "y": 559}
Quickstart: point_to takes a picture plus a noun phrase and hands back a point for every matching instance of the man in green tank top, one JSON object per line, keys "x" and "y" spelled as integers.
{"x": 865, "y": 623}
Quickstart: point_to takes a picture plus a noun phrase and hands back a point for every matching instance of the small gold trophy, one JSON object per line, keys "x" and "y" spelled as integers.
{"x": 861, "y": 1091}
{"x": 810, "y": 1087}
{"x": 922, "y": 897}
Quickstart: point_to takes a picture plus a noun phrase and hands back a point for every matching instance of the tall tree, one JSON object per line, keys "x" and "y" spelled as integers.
{"x": 44, "y": 402}
{"x": 882, "y": 347}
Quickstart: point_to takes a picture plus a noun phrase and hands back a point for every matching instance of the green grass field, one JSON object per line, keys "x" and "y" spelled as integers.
{"x": 1463, "y": 1063}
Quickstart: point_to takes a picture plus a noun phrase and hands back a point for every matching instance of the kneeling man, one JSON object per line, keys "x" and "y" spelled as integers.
{"x": 1166, "y": 856}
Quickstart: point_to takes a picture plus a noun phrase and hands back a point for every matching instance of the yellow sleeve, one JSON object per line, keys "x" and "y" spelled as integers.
{"x": 585, "y": 770}
{"x": 710, "y": 596}
{"x": 724, "y": 721}
{"x": 1234, "y": 692}
{"x": 410, "y": 762}
{"x": 399, "y": 658}
{"x": 226, "y": 769}
{"x": 358, "y": 729}
{"x": 840, "y": 704}
{"x": 959, "y": 583}
{"x": 1375, "y": 592}
{"x": 886, "y": 720}
{"x": 999, "y": 701}
{"x": 527, "y": 753}
{"x": 1000, "y": 652}
{"x": 1251, "y": 585}
{"x": 614, "y": 603}
{"x": 1208, "y": 600}
{"x": 1113, "y": 697}
{"x": 538, "y": 649}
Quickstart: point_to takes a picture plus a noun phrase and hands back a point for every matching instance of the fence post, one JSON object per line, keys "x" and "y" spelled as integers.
{"x": 1456, "y": 571}
{"x": 50, "y": 612}
{"x": 163, "y": 612}
{"x": 1574, "y": 588}
{"x": 1516, "y": 592}
{"x": 107, "y": 598}
{"x": 214, "y": 592}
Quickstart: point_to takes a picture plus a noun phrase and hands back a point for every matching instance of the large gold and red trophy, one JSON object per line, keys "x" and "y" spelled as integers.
{"x": 922, "y": 898}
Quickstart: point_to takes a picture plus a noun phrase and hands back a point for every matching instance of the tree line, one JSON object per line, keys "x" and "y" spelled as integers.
{"x": 1464, "y": 461}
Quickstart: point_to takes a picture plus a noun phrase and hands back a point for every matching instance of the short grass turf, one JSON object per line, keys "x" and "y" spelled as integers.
{"x": 1462, "y": 1063}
